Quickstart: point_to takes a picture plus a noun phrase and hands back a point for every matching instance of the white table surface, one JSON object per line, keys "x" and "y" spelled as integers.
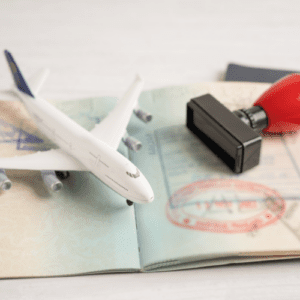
{"x": 93, "y": 48}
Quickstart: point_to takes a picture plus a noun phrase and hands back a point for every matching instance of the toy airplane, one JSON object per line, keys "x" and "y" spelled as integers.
{"x": 80, "y": 150}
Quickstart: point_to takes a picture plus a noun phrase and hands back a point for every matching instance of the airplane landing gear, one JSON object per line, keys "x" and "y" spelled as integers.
{"x": 129, "y": 203}
{"x": 62, "y": 174}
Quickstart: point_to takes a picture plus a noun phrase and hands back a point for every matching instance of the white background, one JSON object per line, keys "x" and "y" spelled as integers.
{"x": 93, "y": 48}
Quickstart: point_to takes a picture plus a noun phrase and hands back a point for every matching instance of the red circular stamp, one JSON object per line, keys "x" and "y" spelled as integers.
{"x": 225, "y": 206}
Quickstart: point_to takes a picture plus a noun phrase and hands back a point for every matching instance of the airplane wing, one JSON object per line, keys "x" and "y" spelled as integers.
{"x": 54, "y": 159}
{"x": 113, "y": 127}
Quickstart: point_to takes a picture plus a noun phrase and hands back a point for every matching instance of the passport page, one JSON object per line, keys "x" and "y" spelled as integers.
{"x": 204, "y": 214}
{"x": 84, "y": 228}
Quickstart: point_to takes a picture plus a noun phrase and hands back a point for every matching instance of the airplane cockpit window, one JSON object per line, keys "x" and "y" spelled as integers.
{"x": 136, "y": 175}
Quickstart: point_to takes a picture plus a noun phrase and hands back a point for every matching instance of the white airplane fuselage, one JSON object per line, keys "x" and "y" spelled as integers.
{"x": 115, "y": 170}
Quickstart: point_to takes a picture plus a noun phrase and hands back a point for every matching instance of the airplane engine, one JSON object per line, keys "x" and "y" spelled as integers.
{"x": 132, "y": 143}
{"x": 5, "y": 183}
{"x": 51, "y": 181}
{"x": 142, "y": 115}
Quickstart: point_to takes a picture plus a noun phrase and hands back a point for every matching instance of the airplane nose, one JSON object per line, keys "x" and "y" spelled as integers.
{"x": 141, "y": 190}
{"x": 145, "y": 193}
{"x": 149, "y": 196}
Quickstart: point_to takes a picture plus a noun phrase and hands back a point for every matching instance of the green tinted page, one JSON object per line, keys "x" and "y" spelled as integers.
{"x": 203, "y": 214}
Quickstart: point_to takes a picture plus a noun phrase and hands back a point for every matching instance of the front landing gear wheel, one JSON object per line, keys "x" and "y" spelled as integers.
{"x": 129, "y": 203}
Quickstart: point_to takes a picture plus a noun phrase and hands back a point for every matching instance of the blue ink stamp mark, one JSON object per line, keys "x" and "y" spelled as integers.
{"x": 23, "y": 140}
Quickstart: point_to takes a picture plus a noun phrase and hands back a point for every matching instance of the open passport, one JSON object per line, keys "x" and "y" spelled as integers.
{"x": 202, "y": 214}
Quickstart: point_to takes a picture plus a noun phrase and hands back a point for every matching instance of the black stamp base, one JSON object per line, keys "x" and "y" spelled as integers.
{"x": 224, "y": 133}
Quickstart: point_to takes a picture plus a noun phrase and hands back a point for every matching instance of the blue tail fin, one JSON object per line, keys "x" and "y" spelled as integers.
{"x": 18, "y": 78}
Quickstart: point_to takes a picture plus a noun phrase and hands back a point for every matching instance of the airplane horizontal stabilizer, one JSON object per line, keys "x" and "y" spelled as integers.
{"x": 36, "y": 81}
{"x": 8, "y": 96}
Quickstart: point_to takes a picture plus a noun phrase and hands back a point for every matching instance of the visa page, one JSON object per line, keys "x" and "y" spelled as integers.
{"x": 203, "y": 214}
{"x": 84, "y": 228}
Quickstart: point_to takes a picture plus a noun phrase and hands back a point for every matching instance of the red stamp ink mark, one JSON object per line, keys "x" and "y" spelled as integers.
{"x": 225, "y": 206}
